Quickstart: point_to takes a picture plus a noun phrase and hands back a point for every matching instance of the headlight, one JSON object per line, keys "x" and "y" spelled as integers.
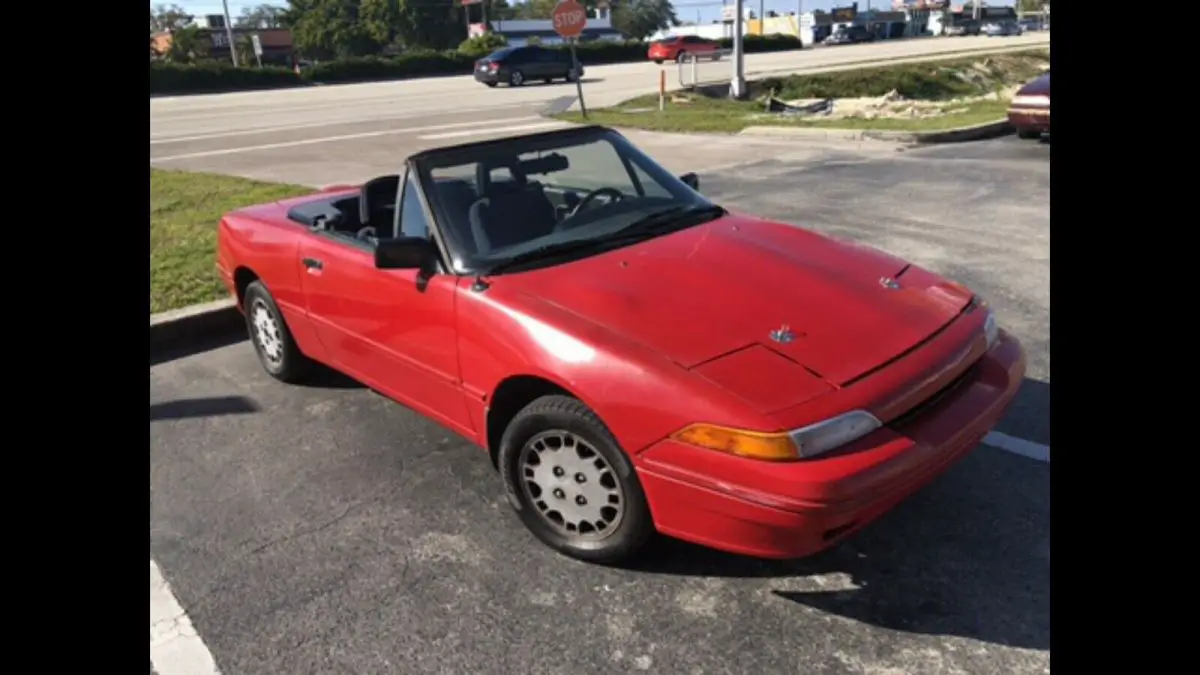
{"x": 1031, "y": 101}
{"x": 804, "y": 443}
{"x": 991, "y": 330}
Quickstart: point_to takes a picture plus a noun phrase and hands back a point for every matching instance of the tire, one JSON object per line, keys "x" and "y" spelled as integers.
{"x": 658, "y": 61}
{"x": 532, "y": 485}
{"x": 571, "y": 76}
{"x": 547, "y": 80}
{"x": 272, "y": 340}
{"x": 516, "y": 78}
{"x": 680, "y": 57}
{"x": 1028, "y": 134}
{"x": 490, "y": 84}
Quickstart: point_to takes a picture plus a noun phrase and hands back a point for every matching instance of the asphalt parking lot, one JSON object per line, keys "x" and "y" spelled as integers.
{"x": 324, "y": 529}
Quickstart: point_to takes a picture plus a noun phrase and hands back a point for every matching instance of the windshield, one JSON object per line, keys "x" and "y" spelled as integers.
{"x": 496, "y": 201}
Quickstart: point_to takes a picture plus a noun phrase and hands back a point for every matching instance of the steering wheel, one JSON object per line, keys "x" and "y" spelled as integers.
{"x": 613, "y": 193}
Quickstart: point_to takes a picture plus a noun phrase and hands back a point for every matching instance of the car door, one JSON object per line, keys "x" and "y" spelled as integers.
{"x": 380, "y": 326}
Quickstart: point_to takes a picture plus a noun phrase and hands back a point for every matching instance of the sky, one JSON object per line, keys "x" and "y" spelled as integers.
{"x": 701, "y": 11}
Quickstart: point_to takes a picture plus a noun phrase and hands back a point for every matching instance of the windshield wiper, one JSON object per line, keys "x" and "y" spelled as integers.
{"x": 547, "y": 251}
{"x": 676, "y": 216}
{"x": 638, "y": 229}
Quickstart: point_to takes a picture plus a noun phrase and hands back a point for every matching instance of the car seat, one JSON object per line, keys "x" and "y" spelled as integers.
{"x": 377, "y": 204}
{"x": 508, "y": 212}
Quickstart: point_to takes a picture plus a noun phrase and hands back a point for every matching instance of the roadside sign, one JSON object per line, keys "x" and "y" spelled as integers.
{"x": 570, "y": 18}
{"x": 257, "y": 44}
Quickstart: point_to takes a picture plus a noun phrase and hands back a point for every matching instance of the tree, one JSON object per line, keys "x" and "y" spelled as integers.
{"x": 639, "y": 19}
{"x": 165, "y": 18}
{"x": 326, "y": 29}
{"x": 433, "y": 24}
{"x": 1031, "y": 6}
{"x": 261, "y": 16}
{"x": 188, "y": 43}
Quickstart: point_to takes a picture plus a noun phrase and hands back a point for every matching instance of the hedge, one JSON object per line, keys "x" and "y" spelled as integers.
{"x": 168, "y": 77}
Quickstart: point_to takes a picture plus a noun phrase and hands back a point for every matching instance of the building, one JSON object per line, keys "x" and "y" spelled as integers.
{"x": 276, "y": 42}
{"x": 520, "y": 32}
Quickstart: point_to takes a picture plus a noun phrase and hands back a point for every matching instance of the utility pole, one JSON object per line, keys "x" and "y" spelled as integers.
{"x": 229, "y": 34}
{"x": 975, "y": 10}
{"x": 762, "y": 17}
{"x": 737, "y": 87}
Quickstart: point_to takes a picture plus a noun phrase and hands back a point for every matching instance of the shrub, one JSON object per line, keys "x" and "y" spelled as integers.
{"x": 482, "y": 45}
{"x": 416, "y": 63}
{"x": 167, "y": 77}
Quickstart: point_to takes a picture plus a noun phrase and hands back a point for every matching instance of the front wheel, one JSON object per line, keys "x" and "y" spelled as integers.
{"x": 571, "y": 483}
{"x": 1028, "y": 134}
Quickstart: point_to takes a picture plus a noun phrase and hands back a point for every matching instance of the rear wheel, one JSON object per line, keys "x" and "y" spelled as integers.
{"x": 273, "y": 342}
{"x": 571, "y": 483}
{"x": 1028, "y": 134}
{"x": 490, "y": 84}
{"x": 572, "y": 75}
{"x": 658, "y": 61}
{"x": 516, "y": 78}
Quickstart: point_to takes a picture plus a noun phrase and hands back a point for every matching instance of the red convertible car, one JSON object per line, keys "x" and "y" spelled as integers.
{"x": 635, "y": 358}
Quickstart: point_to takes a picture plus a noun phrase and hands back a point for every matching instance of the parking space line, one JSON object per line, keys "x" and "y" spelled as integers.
{"x": 331, "y": 139}
{"x": 175, "y": 648}
{"x": 490, "y": 130}
{"x": 1018, "y": 446}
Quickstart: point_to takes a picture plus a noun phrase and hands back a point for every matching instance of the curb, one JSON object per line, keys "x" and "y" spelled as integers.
{"x": 977, "y": 132}
{"x": 195, "y": 323}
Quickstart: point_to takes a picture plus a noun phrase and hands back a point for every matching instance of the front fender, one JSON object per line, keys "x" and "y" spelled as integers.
{"x": 641, "y": 395}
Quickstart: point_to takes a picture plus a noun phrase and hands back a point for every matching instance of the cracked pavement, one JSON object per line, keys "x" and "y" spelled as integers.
{"x": 324, "y": 529}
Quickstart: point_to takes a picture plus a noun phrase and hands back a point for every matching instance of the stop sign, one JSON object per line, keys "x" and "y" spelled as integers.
{"x": 569, "y": 18}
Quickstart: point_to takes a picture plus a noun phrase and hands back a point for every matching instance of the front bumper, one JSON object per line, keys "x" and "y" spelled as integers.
{"x": 797, "y": 509}
{"x": 1030, "y": 119}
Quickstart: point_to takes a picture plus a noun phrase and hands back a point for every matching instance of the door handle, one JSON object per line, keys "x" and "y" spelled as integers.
{"x": 313, "y": 264}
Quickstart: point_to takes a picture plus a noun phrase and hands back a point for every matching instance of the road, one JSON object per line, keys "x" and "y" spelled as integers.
{"x": 324, "y": 529}
{"x": 340, "y": 133}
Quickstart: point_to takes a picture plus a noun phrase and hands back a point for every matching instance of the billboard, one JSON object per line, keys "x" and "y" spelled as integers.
{"x": 844, "y": 14}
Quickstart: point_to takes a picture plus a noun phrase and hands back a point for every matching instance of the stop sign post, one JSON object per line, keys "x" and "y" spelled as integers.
{"x": 570, "y": 18}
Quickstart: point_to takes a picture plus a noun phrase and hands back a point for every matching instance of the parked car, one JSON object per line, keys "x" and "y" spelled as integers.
{"x": 850, "y": 35}
{"x": 518, "y": 65}
{"x": 677, "y": 48}
{"x": 964, "y": 28}
{"x": 1002, "y": 28}
{"x": 599, "y": 328}
{"x": 1030, "y": 24}
{"x": 1029, "y": 112}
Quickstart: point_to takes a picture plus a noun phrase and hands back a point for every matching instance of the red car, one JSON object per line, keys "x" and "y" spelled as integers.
{"x": 676, "y": 48}
{"x": 634, "y": 358}
{"x": 1029, "y": 111}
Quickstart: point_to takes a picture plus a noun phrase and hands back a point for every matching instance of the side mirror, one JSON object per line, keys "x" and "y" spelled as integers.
{"x": 691, "y": 180}
{"x": 405, "y": 253}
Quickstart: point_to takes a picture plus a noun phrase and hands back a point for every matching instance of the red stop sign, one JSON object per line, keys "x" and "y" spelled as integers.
{"x": 569, "y": 18}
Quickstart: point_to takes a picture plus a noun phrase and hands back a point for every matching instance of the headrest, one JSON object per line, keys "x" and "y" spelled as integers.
{"x": 483, "y": 171}
{"x": 373, "y": 191}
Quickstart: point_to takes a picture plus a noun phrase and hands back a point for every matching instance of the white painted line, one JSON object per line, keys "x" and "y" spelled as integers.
{"x": 160, "y": 139}
{"x": 491, "y": 130}
{"x": 175, "y": 648}
{"x": 326, "y": 139}
{"x": 1018, "y": 446}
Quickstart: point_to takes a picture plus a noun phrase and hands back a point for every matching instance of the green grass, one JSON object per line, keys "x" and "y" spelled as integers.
{"x": 929, "y": 81}
{"x": 184, "y": 210}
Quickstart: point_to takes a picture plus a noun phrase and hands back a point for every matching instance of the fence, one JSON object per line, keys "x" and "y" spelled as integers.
{"x": 701, "y": 69}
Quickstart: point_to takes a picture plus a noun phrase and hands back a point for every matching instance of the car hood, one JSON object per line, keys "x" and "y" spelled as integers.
{"x": 718, "y": 288}
{"x": 1038, "y": 87}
